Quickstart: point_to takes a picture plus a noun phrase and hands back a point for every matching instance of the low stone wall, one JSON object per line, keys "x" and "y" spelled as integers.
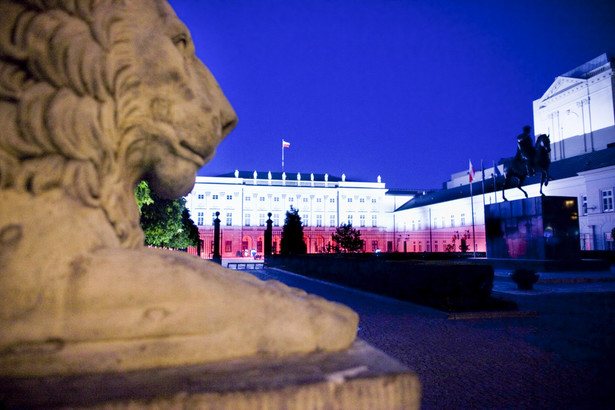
{"x": 446, "y": 285}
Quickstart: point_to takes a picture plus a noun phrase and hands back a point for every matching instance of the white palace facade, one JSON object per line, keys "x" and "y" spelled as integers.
{"x": 244, "y": 199}
{"x": 577, "y": 111}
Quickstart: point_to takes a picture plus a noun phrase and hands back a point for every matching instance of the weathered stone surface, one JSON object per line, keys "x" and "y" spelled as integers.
{"x": 95, "y": 96}
{"x": 361, "y": 377}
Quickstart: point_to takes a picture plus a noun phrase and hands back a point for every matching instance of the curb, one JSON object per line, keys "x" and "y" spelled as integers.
{"x": 491, "y": 315}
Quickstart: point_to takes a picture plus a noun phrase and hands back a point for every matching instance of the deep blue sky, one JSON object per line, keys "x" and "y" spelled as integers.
{"x": 409, "y": 90}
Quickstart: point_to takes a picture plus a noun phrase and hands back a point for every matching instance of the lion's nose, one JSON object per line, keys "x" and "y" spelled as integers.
{"x": 228, "y": 118}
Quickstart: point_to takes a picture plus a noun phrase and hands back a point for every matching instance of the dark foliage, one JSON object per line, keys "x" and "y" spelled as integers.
{"x": 292, "y": 235}
{"x": 450, "y": 286}
{"x": 348, "y": 238}
{"x": 524, "y": 278}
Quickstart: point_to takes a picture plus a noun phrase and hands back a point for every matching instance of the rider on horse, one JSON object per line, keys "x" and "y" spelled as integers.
{"x": 526, "y": 149}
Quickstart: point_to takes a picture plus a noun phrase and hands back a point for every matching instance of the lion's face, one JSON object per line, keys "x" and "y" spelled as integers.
{"x": 182, "y": 113}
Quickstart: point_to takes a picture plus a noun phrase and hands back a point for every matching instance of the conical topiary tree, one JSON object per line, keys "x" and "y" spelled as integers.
{"x": 292, "y": 235}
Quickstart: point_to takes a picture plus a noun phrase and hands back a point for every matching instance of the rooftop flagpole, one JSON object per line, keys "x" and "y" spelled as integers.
{"x": 285, "y": 144}
{"x": 472, "y": 175}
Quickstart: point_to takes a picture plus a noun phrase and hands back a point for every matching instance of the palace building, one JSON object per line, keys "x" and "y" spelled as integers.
{"x": 244, "y": 200}
{"x": 578, "y": 113}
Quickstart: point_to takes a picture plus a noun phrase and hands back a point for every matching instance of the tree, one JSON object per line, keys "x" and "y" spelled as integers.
{"x": 292, "y": 235}
{"x": 463, "y": 246}
{"x": 165, "y": 222}
{"x": 348, "y": 238}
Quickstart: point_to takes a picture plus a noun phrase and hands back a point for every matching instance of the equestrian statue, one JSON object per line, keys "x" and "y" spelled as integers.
{"x": 529, "y": 160}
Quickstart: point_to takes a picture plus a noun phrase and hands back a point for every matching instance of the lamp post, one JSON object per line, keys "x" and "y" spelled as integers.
{"x": 217, "y": 258}
{"x": 268, "y": 237}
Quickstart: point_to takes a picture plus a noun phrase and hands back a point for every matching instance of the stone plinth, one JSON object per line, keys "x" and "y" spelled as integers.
{"x": 358, "y": 378}
{"x": 540, "y": 228}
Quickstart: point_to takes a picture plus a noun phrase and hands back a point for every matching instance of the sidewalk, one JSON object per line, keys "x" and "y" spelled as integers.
{"x": 557, "y": 282}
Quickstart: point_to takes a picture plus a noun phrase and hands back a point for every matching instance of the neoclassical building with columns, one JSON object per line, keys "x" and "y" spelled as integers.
{"x": 578, "y": 113}
{"x": 245, "y": 198}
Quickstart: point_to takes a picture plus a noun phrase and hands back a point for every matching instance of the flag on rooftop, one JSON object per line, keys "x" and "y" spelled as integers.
{"x": 285, "y": 144}
{"x": 471, "y": 172}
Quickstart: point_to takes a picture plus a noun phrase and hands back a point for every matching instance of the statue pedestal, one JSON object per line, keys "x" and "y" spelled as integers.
{"x": 358, "y": 378}
{"x": 538, "y": 228}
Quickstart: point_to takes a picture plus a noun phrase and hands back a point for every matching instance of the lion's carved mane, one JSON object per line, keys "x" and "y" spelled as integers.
{"x": 63, "y": 106}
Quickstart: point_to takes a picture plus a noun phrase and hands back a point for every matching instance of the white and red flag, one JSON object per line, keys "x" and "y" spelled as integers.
{"x": 285, "y": 144}
{"x": 471, "y": 172}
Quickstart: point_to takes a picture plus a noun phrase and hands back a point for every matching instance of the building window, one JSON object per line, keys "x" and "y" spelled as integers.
{"x": 374, "y": 246}
{"x": 332, "y": 200}
{"x": 261, "y": 220}
{"x": 452, "y": 221}
{"x": 463, "y": 219}
{"x": 199, "y": 218}
{"x": 229, "y": 197}
{"x": 262, "y": 199}
{"x": 435, "y": 223}
{"x": 373, "y": 200}
{"x": 318, "y": 220}
{"x": 247, "y": 220}
{"x": 418, "y": 224}
{"x": 435, "y": 246}
{"x": 349, "y": 200}
{"x": 349, "y": 219}
{"x": 228, "y": 246}
{"x": 248, "y": 199}
{"x": 229, "y": 219}
{"x": 319, "y": 200}
{"x": 584, "y": 205}
{"x": 362, "y": 200}
{"x": 607, "y": 200}
{"x": 374, "y": 221}
{"x": 362, "y": 220}
{"x": 331, "y": 220}
{"x": 306, "y": 221}
{"x": 214, "y": 196}
{"x": 413, "y": 227}
{"x": 291, "y": 199}
{"x": 276, "y": 199}
{"x": 276, "y": 219}
{"x": 305, "y": 199}
{"x": 213, "y": 217}
{"x": 201, "y": 196}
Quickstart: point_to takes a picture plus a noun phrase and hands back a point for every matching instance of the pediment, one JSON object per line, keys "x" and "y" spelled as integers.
{"x": 560, "y": 85}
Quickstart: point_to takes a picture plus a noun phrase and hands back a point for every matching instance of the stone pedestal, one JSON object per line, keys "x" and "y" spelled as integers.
{"x": 358, "y": 378}
{"x": 538, "y": 228}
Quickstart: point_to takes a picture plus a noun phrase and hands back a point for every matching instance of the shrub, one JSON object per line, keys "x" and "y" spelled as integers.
{"x": 524, "y": 278}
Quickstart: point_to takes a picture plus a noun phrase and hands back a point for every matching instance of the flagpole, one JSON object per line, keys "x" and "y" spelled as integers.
{"x": 482, "y": 170}
{"x": 282, "y": 155}
{"x": 473, "y": 233}
{"x": 471, "y": 175}
{"x": 495, "y": 188}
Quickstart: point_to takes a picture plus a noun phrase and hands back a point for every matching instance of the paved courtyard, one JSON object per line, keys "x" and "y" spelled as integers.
{"x": 559, "y": 352}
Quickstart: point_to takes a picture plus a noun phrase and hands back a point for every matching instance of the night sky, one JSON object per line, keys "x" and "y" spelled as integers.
{"x": 409, "y": 90}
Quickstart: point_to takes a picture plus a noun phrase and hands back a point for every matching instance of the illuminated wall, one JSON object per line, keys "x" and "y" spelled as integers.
{"x": 244, "y": 200}
{"x": 577, "y": 111}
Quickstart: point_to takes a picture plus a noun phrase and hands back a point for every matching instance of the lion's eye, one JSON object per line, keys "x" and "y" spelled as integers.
{"x": 180, "y": 41}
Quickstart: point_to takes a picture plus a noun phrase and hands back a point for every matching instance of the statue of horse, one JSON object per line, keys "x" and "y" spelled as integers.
{"x": 520, "y": 166}
{"x": 542, "y": 159}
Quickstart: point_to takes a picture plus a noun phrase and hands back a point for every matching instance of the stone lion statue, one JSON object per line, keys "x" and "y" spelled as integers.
{"x": 95, "y": 96}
